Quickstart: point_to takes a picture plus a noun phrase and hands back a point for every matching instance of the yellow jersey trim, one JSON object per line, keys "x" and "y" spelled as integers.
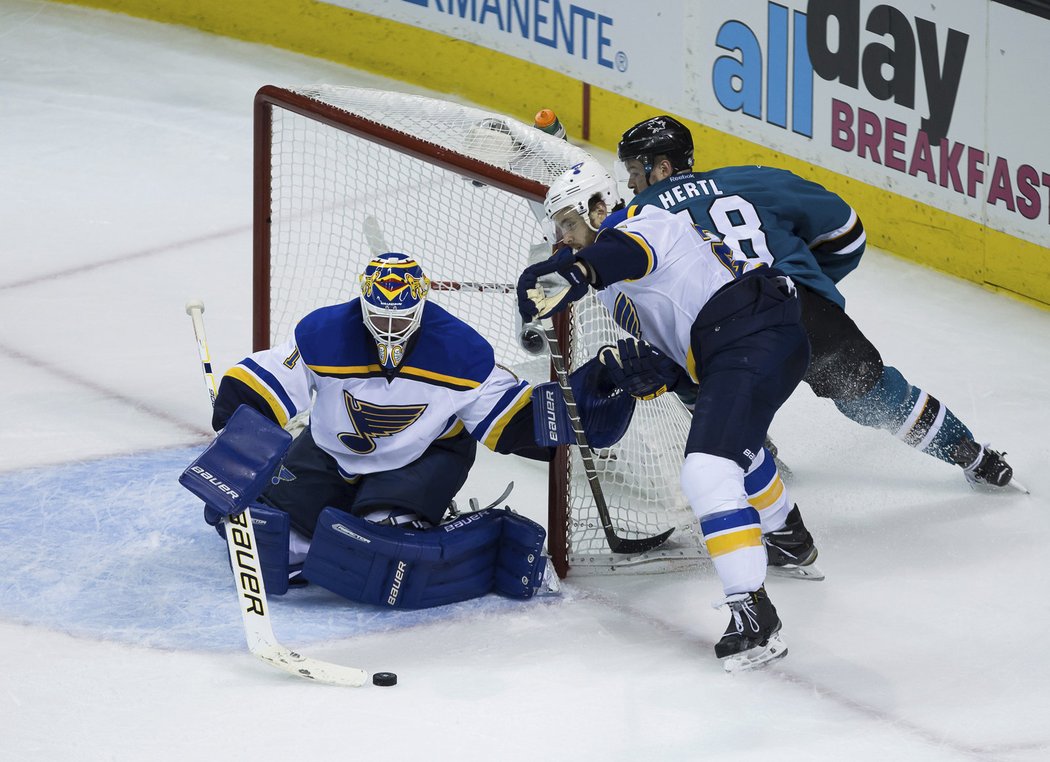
{"x": 462, "y": 383}
{"x": 250, "y": 380}
{"x": 501, "y": 423}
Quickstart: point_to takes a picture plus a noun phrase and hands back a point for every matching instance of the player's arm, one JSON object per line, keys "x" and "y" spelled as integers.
{"x": 499, "y": 415}
{"x": 510, "y": 416}
{"x": 830, "y": 227}
{"x": 616, "y": 255}
{"x": 274, "y": 382}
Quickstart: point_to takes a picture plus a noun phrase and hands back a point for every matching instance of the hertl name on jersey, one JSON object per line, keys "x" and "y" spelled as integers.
{"x": 679, "y": 193}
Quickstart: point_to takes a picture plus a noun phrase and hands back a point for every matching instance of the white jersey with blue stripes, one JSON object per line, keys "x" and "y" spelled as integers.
{"x": 369, "y": 422}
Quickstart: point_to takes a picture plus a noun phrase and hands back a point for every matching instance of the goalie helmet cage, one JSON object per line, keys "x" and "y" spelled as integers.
{"x": 342, "y": 173}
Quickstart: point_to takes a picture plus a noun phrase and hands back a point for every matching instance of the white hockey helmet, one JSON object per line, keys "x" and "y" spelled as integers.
{"x": 576, "y": 187}
{"x": 393, "y": 293}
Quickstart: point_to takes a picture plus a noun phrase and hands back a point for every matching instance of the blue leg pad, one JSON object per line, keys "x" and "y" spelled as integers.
{"x": 391, "y": 566}
{"x": 520, "y": 562}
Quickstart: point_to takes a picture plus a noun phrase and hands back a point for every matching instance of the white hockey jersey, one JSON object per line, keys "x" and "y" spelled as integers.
{"x": 685, "y": 267}
{"x": 366, "y": 421}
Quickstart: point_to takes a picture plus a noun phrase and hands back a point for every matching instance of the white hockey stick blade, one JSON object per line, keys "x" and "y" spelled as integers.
{"x": 240, "y": 538}
{"x": 810, "y": 572}
{"x": 774, "y": 649}
{"x": 311, "y": 669}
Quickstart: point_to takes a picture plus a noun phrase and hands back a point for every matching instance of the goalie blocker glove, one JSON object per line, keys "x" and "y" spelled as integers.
{"x": 239, "y": 463}
{"x": 640, "y": 368}
{"x": 605, "y": 411}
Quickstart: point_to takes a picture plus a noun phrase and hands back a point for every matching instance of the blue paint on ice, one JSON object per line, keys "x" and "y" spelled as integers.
{"x": 116, "y": 549}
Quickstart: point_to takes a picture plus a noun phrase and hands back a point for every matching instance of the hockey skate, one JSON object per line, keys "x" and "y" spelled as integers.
{"x": 985, "y": 468}
{"x": 790, "y": 551}
{"x": 752, "y": 638}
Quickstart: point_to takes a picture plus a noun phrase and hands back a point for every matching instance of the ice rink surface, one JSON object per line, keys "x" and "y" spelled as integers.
{"x": 125, "y": 153}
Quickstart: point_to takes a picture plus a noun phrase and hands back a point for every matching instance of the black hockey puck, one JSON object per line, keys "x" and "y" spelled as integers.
{"x": 384, "y": 678}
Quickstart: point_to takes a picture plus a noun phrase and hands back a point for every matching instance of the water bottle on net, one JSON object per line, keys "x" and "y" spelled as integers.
{"x": 548, "y": 121}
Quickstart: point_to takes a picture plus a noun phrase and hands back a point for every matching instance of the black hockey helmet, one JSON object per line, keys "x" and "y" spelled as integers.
{"x": 659, "y": 136}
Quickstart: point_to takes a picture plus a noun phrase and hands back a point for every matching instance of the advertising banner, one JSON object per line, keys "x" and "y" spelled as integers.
{"x": 940, "y": 103}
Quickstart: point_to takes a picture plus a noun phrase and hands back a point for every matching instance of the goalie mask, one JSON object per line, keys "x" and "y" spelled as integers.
{"x": 577, "y": 189}
{"x": 393, "y": 293}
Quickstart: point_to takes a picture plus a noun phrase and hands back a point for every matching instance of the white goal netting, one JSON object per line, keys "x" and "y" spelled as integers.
{"x": 346, "y": 172}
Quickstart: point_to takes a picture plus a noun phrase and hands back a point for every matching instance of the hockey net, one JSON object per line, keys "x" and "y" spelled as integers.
{"x": 342, "y": 173}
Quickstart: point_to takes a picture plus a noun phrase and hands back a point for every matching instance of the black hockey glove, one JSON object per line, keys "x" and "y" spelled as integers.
{"x": 534, "y": 302}
{"x": 640, "y": 368}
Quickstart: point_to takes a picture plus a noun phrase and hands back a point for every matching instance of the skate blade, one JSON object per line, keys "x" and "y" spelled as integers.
{"x": 757, "y": 657}
{"x": 810, "y": 572}
{"x": 550, "y": 584}
{"x": 1018, "y": 486}
{"x": 992, "y": 489}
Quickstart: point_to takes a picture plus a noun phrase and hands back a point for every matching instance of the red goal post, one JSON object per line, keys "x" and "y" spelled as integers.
{"x": 342, "y": 171}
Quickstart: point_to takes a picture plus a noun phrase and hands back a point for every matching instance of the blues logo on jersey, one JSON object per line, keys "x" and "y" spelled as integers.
{"x": 372, "y": 421}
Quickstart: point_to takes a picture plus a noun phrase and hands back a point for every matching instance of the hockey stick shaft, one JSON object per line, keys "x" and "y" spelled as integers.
{"x": 195, "y": 309}
{"x": 377, "y": 244}
{"x": 247, "y": 573}
{"x": 455, "y": 285}
{"x": 617, "y": 544}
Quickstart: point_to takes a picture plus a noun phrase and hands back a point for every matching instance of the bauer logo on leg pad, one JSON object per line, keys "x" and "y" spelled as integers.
{"x": 395, "y": 588}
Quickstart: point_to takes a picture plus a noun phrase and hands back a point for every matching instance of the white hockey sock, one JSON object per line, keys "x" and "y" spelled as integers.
{"x": 732, "y": 528}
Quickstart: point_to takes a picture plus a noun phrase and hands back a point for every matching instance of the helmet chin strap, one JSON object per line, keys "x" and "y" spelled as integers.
{"x": 649, "y": 164}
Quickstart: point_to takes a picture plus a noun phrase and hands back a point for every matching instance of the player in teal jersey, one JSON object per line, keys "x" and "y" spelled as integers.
{"x": 776, "y": 217}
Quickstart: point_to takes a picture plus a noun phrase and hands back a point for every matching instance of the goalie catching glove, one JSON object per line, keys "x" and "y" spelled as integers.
{"x": 639, "y": 368}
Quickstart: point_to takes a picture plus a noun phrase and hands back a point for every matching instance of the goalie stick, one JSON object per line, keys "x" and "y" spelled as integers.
{"x": 255, "y": 608}
{"x": 617, "y": 544}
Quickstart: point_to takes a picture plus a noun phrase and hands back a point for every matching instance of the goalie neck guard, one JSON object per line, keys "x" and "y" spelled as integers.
{"x": 393, "y": 291}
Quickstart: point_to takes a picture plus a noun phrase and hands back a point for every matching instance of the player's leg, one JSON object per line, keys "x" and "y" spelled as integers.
{"x": 388, "y": 548}
{"x": 307, "y": 482}
{"x": 741, "y": 387}
{"x": 847, "y": 369}
{"x": 790, "y": 549}
{"x": 421, "y": 491}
